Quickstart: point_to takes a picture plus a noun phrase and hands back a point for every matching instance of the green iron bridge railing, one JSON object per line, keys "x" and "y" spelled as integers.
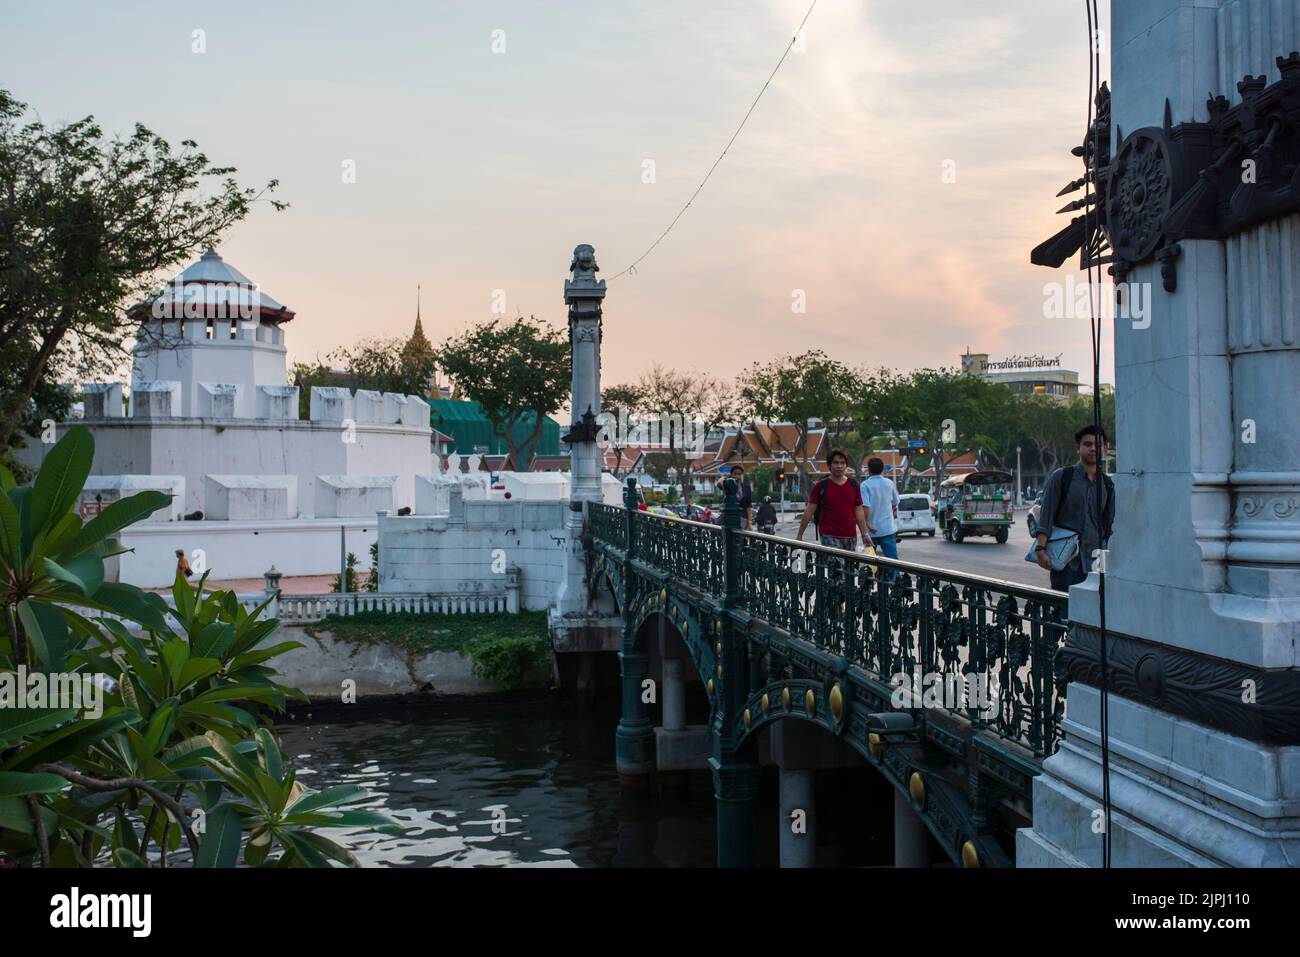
{"x": 950, "y": 684}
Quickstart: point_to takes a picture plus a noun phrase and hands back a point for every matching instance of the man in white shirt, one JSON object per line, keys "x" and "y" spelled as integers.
{"x": 880, "y": 499}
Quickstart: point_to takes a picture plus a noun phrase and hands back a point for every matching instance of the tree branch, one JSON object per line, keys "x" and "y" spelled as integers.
{"x": 42, "y": 839}
{"x": 117, "y": 784}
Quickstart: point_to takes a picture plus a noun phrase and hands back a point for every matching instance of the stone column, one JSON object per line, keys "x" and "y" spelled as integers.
{"x": 583, "y": 294}
{"x": 797, "y": 821}
{"x": 674, "y": 694}
{"x": 735, "y": 771}
{"x": 911, "y": 839}
{"x": 1203, "y": 584}
{"x": 634, "y": 739}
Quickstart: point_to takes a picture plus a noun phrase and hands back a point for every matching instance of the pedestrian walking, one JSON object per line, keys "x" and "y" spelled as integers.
{"x": 182, "y": 563}
{"x": 835, "y": 507}
{"x": 1070, "y": 505}
{"x": 880, "y": 499}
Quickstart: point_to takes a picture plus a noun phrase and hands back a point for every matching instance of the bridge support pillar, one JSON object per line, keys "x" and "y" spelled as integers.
{"x": 911, "y": 838}
{"x": 734, "y": 787}
{"x": 798, "y": 820}
{"x": 634, "y": 741}
{"x": 674, "y": 694}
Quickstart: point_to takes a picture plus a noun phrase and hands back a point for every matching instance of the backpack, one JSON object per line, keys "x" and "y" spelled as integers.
{"x": 821, "y": 499}
{"x": 1066, "y": 479}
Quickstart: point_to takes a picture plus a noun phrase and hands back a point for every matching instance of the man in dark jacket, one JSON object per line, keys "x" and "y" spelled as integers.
{"x": 1076, "y": 510}
{"x": 766, "y": 514}
{"x": 744, "y": 494}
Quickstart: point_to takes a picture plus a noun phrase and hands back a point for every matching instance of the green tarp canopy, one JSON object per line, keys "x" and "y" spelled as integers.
{"x": 471, "y": 431}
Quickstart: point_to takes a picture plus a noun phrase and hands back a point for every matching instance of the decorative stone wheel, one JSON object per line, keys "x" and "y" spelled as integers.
{"x": 1139, "y": 194}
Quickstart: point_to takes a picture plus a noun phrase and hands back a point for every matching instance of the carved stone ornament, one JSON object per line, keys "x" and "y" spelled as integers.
{"x": 586, "y": 429}
{"x": 1260, "y": 706}
{"x": 1191, "y": 181}
{"x": 584, "y": 292}
{"x": 1139, "y": 195}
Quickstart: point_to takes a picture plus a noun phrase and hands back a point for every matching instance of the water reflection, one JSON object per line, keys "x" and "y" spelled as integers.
{"x": 534, "y": 788}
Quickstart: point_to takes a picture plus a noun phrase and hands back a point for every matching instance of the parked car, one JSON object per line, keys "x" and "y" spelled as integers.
{"x": 916, "y": 514}
{"x": 702, "y": 513}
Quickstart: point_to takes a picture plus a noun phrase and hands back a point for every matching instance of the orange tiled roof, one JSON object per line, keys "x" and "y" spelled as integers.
{"x": 763, "y": 443}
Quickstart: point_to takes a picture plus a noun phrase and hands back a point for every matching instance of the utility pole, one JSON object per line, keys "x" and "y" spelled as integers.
{"x": 782, "y": 484}
{"x": 1019, "y": 496}
{"x": 938, "y": 461}
{"x": 343, "y": 559}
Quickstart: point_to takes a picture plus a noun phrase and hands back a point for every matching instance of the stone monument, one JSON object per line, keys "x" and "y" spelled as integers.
{"x": 1201, "y": 204}
{"x": 576, "y": 624}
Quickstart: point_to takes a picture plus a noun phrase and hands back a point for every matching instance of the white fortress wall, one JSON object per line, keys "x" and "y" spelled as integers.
{"x": 243, "y": 549}
{"x": 473, "y": 548}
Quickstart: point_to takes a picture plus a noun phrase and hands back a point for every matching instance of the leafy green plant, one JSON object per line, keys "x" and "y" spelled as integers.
{"x": 423, "y": 632}
{"x": 506, "y": 660}
{"x": 372, "y": 580}
{"x": 170, "y": 750}
{"x": 350, "y": 569}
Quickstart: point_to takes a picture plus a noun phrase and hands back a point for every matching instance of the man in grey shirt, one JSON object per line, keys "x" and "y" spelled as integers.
{"x": 1077, "y": 511}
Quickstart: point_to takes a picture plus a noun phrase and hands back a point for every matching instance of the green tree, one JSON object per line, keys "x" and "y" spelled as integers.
{"x": 616, "y": 399}
{"x": 385, "y": 364}
{"x": 87, "y": 225}
{"x": 687, "y": 405}
{"x": 796, "y": 389}
{"x": 307, "y": 374}
{"x": 516, "y": 371}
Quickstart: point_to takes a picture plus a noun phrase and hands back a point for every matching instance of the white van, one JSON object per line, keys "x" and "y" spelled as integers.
{"x": 916, "y": 514}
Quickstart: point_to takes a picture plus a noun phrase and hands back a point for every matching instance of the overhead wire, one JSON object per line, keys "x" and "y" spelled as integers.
{"x": 681, "y": 212}
{"x": 1095, "y": 320}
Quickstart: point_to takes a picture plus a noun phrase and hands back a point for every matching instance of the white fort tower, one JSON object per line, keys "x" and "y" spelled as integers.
{"x": 214, "y": 422}
{"x": 214, "y": 333}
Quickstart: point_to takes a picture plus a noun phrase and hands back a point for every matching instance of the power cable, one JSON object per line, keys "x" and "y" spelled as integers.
{"x": 1095, "y": 320}
{"x": 681, "y": 212}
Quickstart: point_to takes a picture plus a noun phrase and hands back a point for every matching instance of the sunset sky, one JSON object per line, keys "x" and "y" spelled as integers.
{"x": 479, "y": 170}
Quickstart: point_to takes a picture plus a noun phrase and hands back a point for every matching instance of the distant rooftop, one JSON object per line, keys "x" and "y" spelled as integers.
{"x": 213, "y": 281}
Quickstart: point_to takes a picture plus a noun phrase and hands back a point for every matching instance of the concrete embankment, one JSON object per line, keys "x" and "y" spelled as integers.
{"x": 322, "y": 666}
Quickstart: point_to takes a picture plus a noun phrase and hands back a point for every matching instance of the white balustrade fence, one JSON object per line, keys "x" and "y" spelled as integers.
{"x": 299, "y": 609}
{"x": 295, "y": 609}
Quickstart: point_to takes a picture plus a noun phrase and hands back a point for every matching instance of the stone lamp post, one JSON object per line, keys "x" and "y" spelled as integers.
{"x": 583, "y": 294}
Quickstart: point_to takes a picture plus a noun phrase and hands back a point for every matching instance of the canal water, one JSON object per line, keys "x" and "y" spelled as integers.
{"x": 532, "y": 783}
{"x": 510, "y": 783}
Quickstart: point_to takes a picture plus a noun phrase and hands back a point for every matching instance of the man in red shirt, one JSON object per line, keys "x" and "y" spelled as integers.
{"x": 835, "y": 506}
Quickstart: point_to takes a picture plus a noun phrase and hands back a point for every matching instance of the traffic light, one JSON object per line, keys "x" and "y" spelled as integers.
{"x": 780, "y": 475}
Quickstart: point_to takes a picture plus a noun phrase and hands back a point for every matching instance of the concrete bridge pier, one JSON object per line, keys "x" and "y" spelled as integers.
{"x": 634, "y": 741}
{"x": 679, "y": 747}
{"x": 797, "y": 820}
{"x": 674, "y": 694}
{"x": 911, "y": 838}
{"x": 800, "y": 750}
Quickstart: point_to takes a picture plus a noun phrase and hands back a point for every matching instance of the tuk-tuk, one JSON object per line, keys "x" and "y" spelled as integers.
{"x": 976, "y": 504}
